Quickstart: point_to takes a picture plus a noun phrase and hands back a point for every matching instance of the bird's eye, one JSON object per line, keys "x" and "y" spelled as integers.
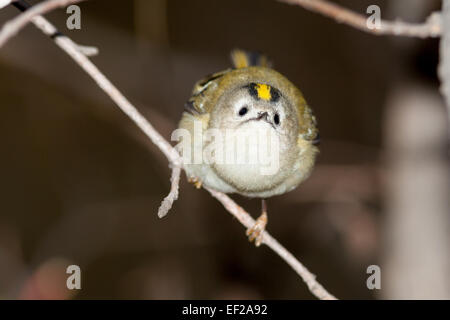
{"x": 276, "y": 119}
{"x": 243, "y": 111}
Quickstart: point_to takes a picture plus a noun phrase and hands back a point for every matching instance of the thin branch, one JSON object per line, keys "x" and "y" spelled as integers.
{"x": 246, "y": 220}
{"x": 431, "y": 27}
{"x": 11, "y": 28}
{"x": 168, "y": 201}
{"x": 444, "y": 63}
{"x": 172, "y": 155}
{"x": 24, "y": 6}
{"x": 72, "y": 49}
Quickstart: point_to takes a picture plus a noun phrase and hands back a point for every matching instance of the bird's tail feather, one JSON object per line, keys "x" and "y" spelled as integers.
{"x": 244, "y": 59}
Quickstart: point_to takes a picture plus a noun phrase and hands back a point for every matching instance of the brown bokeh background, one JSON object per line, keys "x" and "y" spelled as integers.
{"x": 80, "y": 184}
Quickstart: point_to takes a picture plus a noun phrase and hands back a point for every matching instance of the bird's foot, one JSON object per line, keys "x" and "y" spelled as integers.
{"x": 195, "y": 181}
{"x": 256, "y": 232}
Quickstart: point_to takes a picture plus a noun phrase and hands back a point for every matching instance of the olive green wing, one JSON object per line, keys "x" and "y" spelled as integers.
{"x": 196, "y": 103}
{"x": 308, "y": 126}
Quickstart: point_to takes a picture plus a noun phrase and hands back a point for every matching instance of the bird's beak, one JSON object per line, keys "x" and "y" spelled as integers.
{"x": 265, "y": 117}
{"x": 262, "y": 115}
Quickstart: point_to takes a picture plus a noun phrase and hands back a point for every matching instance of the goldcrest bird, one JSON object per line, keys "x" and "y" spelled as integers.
{"x": 251, "y": 97}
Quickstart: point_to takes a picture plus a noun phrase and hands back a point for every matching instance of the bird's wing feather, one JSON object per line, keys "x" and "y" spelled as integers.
{"x": 195, "y": 104}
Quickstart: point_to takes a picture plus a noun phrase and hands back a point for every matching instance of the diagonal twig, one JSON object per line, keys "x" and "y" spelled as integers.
{"x": 11, "y": 28}
{"x": 431, "y": 27}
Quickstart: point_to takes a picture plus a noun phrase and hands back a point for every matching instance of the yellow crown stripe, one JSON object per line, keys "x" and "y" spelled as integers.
{"x": 263, "y": 91}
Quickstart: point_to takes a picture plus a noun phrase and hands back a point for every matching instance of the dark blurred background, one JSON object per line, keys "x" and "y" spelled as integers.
{"x": 80, "y": 184}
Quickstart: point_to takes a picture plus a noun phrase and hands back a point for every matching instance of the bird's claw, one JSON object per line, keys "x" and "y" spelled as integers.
{"x": 257, "y": 230}
{"x": 196, "y": 182}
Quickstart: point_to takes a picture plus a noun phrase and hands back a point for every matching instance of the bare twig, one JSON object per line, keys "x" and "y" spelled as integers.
{"x": 15, "y": 25}
{"x": 431, "y": 28}
{"x": 172, "y": 155}
{"x": 12, "y": 28}
{"x": 168, "y": 201}
{"x": 72, "y": 50}
{"x": 444, "y": 64}
{"x": 246, "y": 220}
